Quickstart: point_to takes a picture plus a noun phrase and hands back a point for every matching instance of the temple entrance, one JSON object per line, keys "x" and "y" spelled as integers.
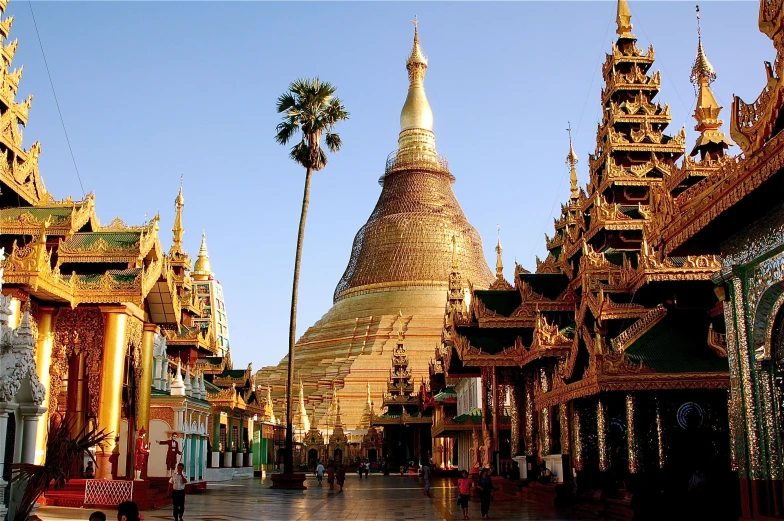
{"x": 312, "y": 457}
{"x": 372, "y": 455}
{"x": 338, "y": 455}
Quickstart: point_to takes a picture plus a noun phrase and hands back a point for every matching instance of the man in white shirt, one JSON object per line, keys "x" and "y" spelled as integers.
{"x": 177, "y": 486}
{"x": 320, "y": 472}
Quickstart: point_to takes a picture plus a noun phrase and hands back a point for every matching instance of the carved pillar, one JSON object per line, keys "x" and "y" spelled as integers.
{"x": 601, "y": 437}
{"x": 544, "y": 415}
{"x": 30, "y": 414}
{"x": 577, "y": 438}
{"x": 634, "y": 456}
{"x": 110, "y": 400}
{"x": 145, "y": 384}
{"x": 515, "y": 401}
{"x": 43, "y": 362}
{"x": 216, "y": 438}
{"x": 496, "y": 409}
{"x": 5, "y": 410}
{"x": 563, "y": 420}
{"x": 530, "y": 447}
{"x": 660, "y": 435}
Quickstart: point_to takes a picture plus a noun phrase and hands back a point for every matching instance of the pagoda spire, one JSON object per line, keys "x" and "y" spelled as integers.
{"x": 499, "y": 263}
{"x": 269, "y": 411}
{"x": 178, "y": 230}
{"x": 202, "y": 268}
{"x": 571, "y": 160}
{"x": 416, "y": 113}
{"x": 623, "y": 20}
{"x": 301, "y": 420}
{"x": 712, "y": 142}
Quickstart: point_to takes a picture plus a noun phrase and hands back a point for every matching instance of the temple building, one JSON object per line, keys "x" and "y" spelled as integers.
{"x": 400, "y": 260}
{"x": 736, "y": 211}
{"x": 209, "y": 292}
{"x": 612, "y": 355}
{"x": 115, "y": 324}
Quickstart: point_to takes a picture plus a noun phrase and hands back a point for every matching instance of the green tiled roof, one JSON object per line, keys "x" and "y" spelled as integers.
{"x": 124, "y": 240}
{"x": 128, "y": 275}
{"x": 446, "y": 394}
{"x": 473, "y": 416}
{"x": 494, "y": 340}
{"x": 677, "y": 344}
{"x": 503, "y": 302}
{"x": 57, "y": 213}
{"x": 549, "y": 285}
{"x": 234, "y": 373}
{"x": 211, "y": 387}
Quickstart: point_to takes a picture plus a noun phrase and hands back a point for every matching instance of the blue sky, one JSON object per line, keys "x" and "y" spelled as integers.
{"x": 153, "y": 90}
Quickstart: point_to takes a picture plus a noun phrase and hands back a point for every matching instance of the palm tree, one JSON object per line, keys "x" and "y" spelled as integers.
{"x": 310, "y": 109}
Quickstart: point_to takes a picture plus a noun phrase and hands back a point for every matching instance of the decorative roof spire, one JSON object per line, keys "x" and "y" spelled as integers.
{"x": 707, "y": 110}
{"x": 499, "y": 263}
{"x": 624, "y": 20}
{"x": 571, "y": 160}
{"x": 416, "y": 113}
{"x": 202, "y": 265}
{"x": 302, "y": 422}
{"x": 269, "y": 410}
{"x": 178, "y": 230}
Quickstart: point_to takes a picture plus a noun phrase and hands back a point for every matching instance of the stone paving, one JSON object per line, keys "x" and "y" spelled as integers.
{"x": 378, "y": 498}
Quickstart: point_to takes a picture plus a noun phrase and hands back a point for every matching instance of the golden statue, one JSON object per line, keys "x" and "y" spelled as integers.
{"x": 487, "y": 451}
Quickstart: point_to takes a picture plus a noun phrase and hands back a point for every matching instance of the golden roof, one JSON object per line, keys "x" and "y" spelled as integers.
{"x": 202, "y": 268}
{"x": 624, "y": 20}
{"x": 407, "y": 241}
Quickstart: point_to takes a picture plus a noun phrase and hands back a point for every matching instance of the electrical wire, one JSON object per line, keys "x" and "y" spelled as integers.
{"x": 56, "y": 102}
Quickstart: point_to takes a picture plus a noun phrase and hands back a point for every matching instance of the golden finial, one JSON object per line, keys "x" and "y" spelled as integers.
{"x": 624, "y": 20}
{"x": 707, "y": 111}
{"x": 178, "y": 230}
{"x": 702, "y": 67}
{"x": 571, "y": 160}
{"x": 202, "y": 264}
{"x": 499, "y": 264}
{"x": 416, "y": 113}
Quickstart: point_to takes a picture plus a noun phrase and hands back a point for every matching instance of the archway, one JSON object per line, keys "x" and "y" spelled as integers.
{"x": 312, "y": 457}
{"x": 372, "y": 455}
{"x": 338, "y": 455}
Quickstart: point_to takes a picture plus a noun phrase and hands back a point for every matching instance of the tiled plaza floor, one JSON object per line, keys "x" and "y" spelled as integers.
{"x": 378, "y": 498}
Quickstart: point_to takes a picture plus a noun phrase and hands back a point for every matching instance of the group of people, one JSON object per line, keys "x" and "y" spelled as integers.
{"x": 363, "y": 467}
{"x": 333, "y": 471}
{"x": 485, "y": 488}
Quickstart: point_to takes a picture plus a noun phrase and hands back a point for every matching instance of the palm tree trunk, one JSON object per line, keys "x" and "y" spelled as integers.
{"x": 288, "y": 453}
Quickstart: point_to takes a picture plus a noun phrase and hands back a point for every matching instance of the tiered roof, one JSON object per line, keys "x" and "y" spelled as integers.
{"x": 606, "y": 310}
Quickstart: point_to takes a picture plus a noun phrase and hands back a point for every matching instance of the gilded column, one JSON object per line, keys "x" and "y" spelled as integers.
{"x": 563, "y": 410}
{"x": 529, "y": 417}
{"x": 514, "y": 402}
{"x": 544, "y": 430}
{"x": 110, "y": 400}
{"x": 43, "y": 362}
{"x": 148, "y": 339}
{"x": 16, "y": 313}
{"x": 577, "y": 450}
{"x": 631, "y": 434}
{"x": 737, "y": 419}
{"x": 660, "y": 435}
{"x": 497, "y": 406}
{"x": 601, "y": 437}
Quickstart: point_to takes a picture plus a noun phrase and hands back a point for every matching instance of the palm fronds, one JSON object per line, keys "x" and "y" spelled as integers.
{"x": 64, "y": 453}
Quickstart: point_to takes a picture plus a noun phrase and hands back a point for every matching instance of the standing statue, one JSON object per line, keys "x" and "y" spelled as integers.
{"x": 140, "y": 454}
{"x": 474, "y": 456}
{"x": 171, "y": 453}
{"x": 487, "y": 451}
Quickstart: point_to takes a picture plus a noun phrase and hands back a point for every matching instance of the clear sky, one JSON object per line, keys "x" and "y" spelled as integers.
{"x": 153, "y": 90}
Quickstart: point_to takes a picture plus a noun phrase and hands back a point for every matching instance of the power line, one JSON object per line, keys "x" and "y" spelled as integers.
{"x": 56, "y": 102}
{"x": 577, "y": 129}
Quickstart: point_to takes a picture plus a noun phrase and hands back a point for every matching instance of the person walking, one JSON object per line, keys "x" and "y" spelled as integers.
{"x": 319, "y": 472}
{"x": 464, "y": 485}
{"x": 331, "y": 475}
{"x": 177, "y": 487}
{"x": 367, "y": 469}
{"x": 426, "y": 476}
{"x": 360, "y": 468}
{"x": 341, "y": 475}
{"x": 485, "y": 488}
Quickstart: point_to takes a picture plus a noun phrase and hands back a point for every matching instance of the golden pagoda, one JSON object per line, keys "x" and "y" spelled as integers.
{"x": 401, "y": 259}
